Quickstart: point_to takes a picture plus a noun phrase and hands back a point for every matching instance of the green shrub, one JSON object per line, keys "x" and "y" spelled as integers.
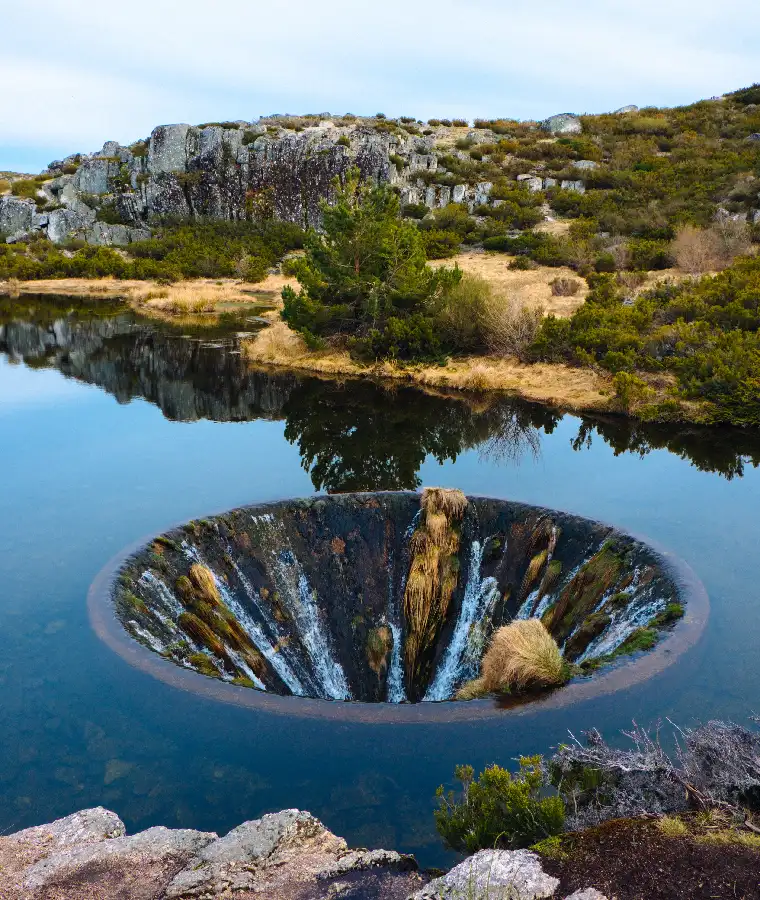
{"x": 499, "y": 809}
{"x": 366, "y": 273}
{"x": 648, "y": 255}
{"x": 398, "y": 161}
{"x": 706, "y": 333}
{"x": 343, "y": 141}
{"x": 26, "y": 189}
{"x": 414, "y": 338}
{"x": 109, "y": 213}
{"x": 441, "y": 244}
{"x": 414, "y": 210}
{"x": 459, "y": 123}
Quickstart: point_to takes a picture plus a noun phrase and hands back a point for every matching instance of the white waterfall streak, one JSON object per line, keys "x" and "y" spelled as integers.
{"x": 294, "y": 588}
{"x": 479, "y": 596}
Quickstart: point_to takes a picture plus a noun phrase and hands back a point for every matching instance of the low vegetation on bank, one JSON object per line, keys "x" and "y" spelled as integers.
{"x": 705, "y": 792}
{"x": 175, "y": 251}
{"x": 652, "y": 311}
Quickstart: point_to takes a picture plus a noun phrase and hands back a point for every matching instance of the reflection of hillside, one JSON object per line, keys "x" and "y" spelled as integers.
{"x": 187, "y": 379}
{"x": 354, "y": 435}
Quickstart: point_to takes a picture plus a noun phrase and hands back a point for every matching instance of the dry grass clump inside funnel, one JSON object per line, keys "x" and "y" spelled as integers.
{"x": 522, "y": 655}
{"x": 211, "y": 624}
{"x": 433, "y": 573}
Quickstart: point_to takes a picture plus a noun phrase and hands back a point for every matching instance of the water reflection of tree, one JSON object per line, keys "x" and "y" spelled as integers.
{"x": 726, "y": 451}
{"x": 361, "y": 436}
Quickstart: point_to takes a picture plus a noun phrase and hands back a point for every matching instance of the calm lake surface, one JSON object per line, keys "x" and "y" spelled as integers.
{"x": 112, "y": 429}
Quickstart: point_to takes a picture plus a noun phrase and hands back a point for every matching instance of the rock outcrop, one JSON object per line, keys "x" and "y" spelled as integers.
{"x": 233, "y": 170}
{"x": 563, "y": 123}
{"x": 281, "y": 856}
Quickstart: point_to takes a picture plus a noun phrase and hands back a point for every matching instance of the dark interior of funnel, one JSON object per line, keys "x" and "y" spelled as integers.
{"x": 386, "y": 597}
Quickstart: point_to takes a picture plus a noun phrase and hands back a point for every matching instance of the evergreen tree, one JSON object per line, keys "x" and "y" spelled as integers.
{"x": 365, "y": 271}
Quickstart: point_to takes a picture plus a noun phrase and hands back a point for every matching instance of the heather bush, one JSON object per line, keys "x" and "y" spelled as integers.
{"x": 706, "y": 333}
{"x": 499, "y": 809}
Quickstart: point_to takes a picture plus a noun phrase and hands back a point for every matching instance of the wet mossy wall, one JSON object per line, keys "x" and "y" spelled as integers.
{"x": 311, "y": 592}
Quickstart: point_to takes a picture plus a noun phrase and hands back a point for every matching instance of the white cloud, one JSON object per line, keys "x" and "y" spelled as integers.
{"x": 83, "y": 73}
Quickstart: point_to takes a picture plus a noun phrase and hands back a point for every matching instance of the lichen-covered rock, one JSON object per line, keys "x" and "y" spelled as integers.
{"x": 493, "y": 875}
{"x": 532, "y": 182}
{"x": 577, "y": 187}
{"x": 587, "y": 894}
{"x": 94, "y": 175}
{"x": 64, "y": 223}
{"x": 130, "y": 867}
{"x": 15, "y": 214}
{"x": 562, "y": 123}
{"x": 88, "y": 826}
{"x": 229, "y": 862}
{"x": 101, "y": 234}
{"x": 23, "y": 849}
{"x": 282, "y": 856}
{"x": 585, "y": 164}
{"x": 169, "y": 150}
{"x": 632, "y": 108}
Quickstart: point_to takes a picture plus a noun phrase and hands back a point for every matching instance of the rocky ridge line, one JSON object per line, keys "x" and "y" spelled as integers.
{"x": 224, "y": 171}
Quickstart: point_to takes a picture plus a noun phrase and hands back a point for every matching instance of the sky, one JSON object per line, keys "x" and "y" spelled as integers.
{"x": 78, "y": 73}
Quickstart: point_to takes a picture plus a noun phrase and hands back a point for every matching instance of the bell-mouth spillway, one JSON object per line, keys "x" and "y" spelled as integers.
{"x": 380, "y": 606}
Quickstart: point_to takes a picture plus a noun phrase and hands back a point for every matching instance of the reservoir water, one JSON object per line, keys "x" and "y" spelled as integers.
{"x": 113, "y": 429}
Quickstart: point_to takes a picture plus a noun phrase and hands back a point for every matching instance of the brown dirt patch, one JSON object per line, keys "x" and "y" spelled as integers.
{"x": 632, "y": 859}
{"x": 531, "y": 287}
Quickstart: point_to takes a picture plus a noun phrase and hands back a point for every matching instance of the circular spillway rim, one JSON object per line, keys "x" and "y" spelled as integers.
{"x": 628, "y": 672}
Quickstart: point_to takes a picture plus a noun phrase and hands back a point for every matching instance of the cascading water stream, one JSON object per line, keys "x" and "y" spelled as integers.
{"x": 294, "y": 586}
{"x": 268, "y": 563}
{"x": 396, "y": 689}
{"x": 479, "y": 595}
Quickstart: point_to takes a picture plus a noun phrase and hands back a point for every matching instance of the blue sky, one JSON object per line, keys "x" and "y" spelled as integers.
{"x": 76, "y": 73}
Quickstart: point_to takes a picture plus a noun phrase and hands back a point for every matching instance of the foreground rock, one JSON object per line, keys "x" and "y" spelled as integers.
{"x": 493, "y": 875}
{"x": 282, "y": 856}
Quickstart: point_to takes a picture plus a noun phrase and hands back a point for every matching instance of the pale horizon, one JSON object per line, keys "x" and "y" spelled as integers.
{"x": 82, "y": 74}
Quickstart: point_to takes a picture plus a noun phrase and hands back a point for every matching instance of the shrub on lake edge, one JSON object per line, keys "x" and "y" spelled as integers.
{"x": 499, "y": 809}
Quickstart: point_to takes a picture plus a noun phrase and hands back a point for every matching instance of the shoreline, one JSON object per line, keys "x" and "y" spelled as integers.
{"x": 202, "y": 302}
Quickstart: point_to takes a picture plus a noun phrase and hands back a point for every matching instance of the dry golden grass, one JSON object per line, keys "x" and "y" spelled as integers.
{"x": 449, "y": 501}
{"x": 533, "y": 571}
{"x": 204, "y": 584}
{"x": 199, "y": 297}
{"x": 553, "y": 383}
{"x": 530, "y": 288}
{"x": 432, "y": 576}
{"x": 672, "y": 827}
{"x": 379, "y": 645}
{"x": 522, "y": 654}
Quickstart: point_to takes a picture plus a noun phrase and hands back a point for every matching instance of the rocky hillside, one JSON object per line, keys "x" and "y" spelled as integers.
{"x": 700, "y": 158}
{"x": 231, "y": 170}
